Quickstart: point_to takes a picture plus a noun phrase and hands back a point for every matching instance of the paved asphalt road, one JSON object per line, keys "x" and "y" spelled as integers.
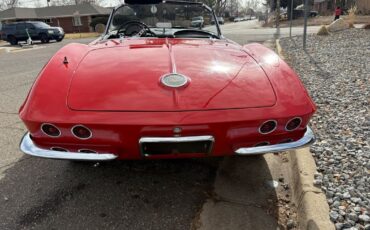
{"x": 250, "y": 31}
{"x": 48, "y": 194}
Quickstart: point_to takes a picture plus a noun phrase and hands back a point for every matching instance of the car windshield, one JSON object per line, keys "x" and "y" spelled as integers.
{"x": 41, "y": 25}
{"x": 165, "y": 19}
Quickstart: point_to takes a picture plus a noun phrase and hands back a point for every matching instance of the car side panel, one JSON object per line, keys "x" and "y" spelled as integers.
{"x": 288, "y": 88}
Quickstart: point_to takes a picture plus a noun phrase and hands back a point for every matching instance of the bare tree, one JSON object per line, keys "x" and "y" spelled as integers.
{"x": 39, "y": 3}
{"x": 6, "y": 4}
{"x": 251, "y": 4}
{"x": 233, "y": 8}
{"x": 218, "y": 5}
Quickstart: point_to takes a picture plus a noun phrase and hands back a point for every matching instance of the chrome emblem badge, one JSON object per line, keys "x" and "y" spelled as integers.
{"x": 174, "y": 80}
{"x": 177, "y": 130}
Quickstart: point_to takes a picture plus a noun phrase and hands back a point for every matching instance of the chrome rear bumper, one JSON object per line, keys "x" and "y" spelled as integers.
{"x": 28, "y": 147}
{"x": 307, "y": 139}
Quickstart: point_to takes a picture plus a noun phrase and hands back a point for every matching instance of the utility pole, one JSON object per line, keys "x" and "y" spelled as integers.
{"x": 291, "y": 18}
{"x": 305, "y": 23}
{"x": 277, "y": 19}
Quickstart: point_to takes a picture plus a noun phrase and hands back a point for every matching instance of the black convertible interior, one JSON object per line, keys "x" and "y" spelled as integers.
{"x": 155, "y": 18}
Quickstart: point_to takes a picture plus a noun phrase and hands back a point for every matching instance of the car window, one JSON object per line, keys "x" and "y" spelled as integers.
{"x": 20, "y": 26}
{"x": 41, "y": 25}
{"x": 5, "y": 26}
{"x": 30, "y": 26}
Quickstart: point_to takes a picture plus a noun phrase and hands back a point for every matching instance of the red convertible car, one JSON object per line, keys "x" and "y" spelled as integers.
{"x": 154, "y": 86}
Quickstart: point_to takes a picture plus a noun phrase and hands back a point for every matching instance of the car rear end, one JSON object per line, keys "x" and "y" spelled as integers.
{"x": 4, "y": 31}
{"x": 246, "y": 102}
{"x": 56, "y": 33}
{"x": 126, "y": 135}
{"x": 221, "y": 20}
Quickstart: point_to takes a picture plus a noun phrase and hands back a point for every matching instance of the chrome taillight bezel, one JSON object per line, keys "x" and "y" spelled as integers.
{"x": 87, "y": 151}
{"x": 42, "y": 130}
{"x": 290, "y": 130}
{"x": 262, "y": 143}
{"x": 54, "y": 148}
{"x": 81, "y": 138}
{"x": 259, "y": 129}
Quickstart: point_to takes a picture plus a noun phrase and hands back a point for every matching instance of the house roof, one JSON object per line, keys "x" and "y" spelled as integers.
{"x": 53, "y": 11}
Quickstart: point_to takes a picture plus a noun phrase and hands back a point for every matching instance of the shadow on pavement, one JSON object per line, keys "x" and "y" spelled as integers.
{"x": 51, "y": 194}
{"x": 244, "y": 196}
{"x": 20, "y": 44}
{"x": 152, "y": 194}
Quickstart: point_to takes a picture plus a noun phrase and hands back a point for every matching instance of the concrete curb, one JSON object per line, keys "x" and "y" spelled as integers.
{"x": 312, "y": 207}
{"x": 279, "y": 49}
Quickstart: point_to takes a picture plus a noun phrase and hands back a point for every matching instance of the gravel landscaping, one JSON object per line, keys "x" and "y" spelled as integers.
{"x": 336, "y": 72}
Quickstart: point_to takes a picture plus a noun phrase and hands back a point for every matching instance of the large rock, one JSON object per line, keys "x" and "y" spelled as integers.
{"x": 323, "y": 31}
{"x": 338, "y": 25}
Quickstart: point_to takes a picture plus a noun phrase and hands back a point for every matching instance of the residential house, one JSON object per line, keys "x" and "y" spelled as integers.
{"x": 327, "y": 7}
{"x": 72, "y": 18}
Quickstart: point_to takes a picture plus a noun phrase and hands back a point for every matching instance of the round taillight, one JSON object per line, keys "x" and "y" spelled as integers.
{"x": 59, "y": 149}
{"x": 81, "y": 132}
{"x": 262, "y": 144}
{"x": 293, "y": 124}
{"x": 268, "y": 127}
{"x": 86, "y": 151}
{"x": 50, "y": 130}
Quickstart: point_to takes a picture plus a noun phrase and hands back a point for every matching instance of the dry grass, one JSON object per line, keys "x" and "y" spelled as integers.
{"x": 352, "y": 16}
{"x": 81, "y": 35}
{"x": 323, "y": 31}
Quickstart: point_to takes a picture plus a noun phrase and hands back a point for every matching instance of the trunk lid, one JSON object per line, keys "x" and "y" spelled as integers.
{"x": 126, "y": 77}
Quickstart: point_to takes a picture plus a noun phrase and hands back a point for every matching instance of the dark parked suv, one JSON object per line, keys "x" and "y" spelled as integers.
{"x": 15, "y": 32}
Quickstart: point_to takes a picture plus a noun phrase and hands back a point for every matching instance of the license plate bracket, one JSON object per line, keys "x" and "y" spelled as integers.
{"x": 176, "y": 145}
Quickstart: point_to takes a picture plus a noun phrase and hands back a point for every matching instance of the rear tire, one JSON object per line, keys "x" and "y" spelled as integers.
{"x": 13, "y": 40}
{"x": 59, "y": 40}
{"x": 44, "y": 38}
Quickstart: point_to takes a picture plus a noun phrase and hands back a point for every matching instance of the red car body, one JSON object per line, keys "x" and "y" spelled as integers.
{"x": 114, "y": 89}
{"x": 155, "y": 94}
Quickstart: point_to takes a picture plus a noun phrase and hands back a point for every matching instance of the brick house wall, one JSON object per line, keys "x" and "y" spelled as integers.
{"x": 322, "y": 8}
{"x": 67, "y": 24}
{"x": 327, "y": 7}
{"x": 363, "y": 6}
